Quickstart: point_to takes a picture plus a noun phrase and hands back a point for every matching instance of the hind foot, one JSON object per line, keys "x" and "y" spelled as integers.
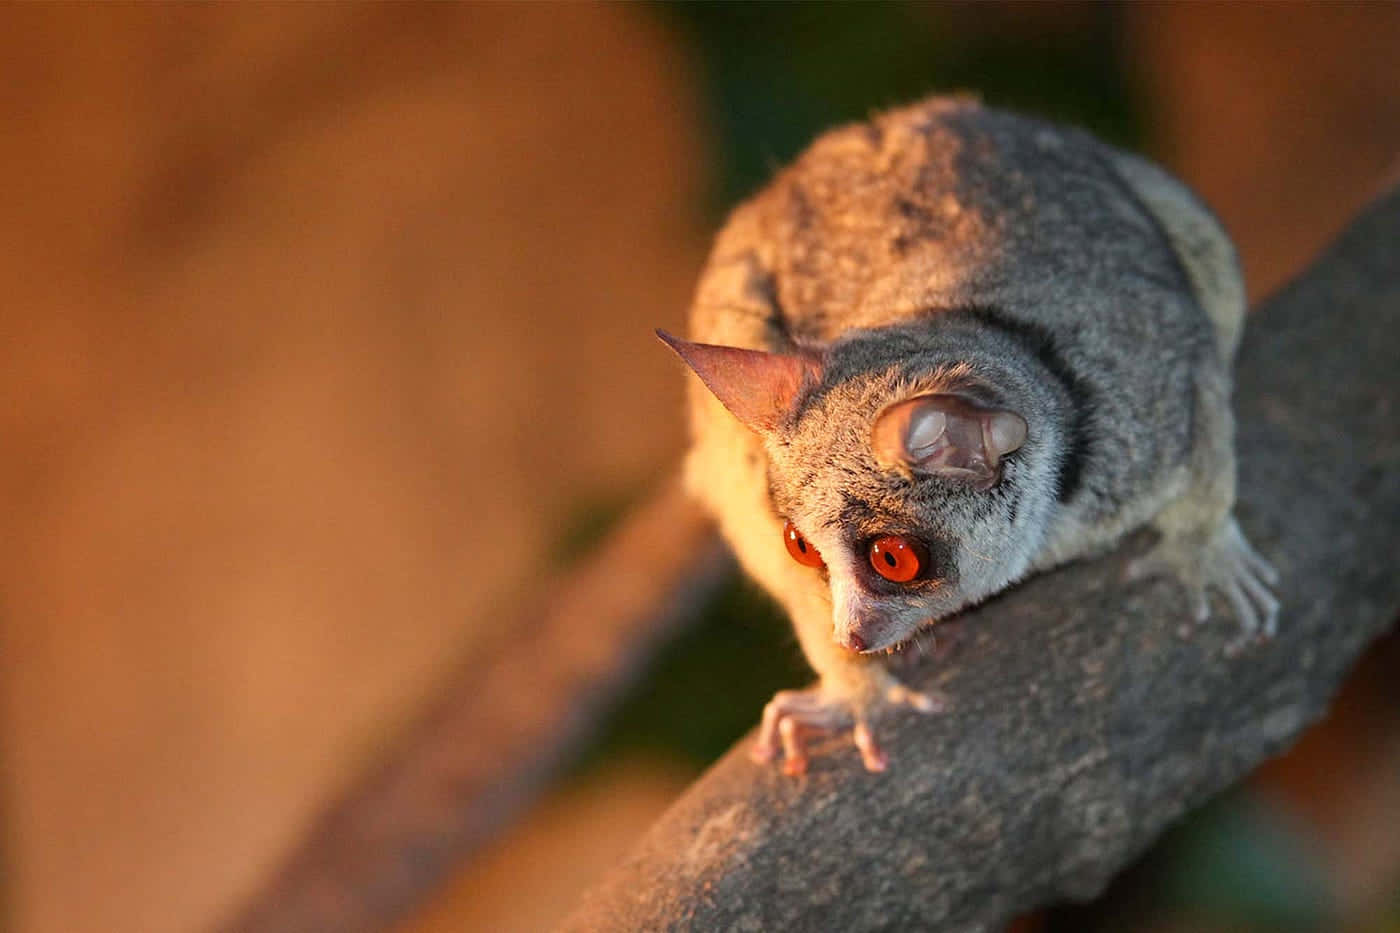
{"x": 1226, "y": 562}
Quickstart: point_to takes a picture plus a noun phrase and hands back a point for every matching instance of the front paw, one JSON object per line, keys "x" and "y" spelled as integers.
{"x": 792, "y": 716}
{"x": 1225, "y": 562}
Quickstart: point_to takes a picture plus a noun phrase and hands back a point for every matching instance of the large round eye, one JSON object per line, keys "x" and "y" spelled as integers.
{"x": 797, "y": 546}
{"x": 896, "y": 558}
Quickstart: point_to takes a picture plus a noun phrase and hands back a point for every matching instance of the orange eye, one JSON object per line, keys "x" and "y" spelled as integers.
{"x": 896, "y": 558}
{"x": 797, "y": 546}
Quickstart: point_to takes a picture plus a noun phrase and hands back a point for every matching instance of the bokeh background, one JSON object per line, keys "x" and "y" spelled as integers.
{"x": 326, "y": 340}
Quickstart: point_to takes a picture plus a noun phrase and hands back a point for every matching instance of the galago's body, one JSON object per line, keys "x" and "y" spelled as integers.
{"x": 949, "y": 348}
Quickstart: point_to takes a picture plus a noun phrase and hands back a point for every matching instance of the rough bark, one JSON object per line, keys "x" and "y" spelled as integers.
{"x": 1083, "y": 722}
{"x": 510, "y": 720}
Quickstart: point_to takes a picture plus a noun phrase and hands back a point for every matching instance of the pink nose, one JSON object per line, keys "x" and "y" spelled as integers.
{"x": 854, "y": 642}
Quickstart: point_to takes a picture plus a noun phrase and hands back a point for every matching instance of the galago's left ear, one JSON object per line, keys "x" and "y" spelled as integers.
{"x": 946, "y": 435}
{"x": 759, "y": 388}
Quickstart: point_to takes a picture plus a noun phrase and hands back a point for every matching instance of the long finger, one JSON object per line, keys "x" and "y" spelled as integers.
{"x": 793, "y": 750}
{"x": 870, "y": 753}
{"x": 923, "y": 702}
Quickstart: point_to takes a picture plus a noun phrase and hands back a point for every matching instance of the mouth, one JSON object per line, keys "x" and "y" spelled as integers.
{"x": 857, "y": 644}
{"x": 887, "y": 644}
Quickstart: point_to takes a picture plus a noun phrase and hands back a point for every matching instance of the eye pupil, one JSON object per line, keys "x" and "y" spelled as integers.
{"x": 897, "y": 558}
{"x": 799, "y": 549}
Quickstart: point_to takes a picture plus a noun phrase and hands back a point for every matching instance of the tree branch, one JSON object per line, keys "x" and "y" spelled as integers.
{"x": 1083, "y": 723}
{"x": 508, "y": 722}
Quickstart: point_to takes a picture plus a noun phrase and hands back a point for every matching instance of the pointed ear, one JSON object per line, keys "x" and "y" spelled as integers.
{"x": 758, "y": 387}
{"x": 946, "y": 435}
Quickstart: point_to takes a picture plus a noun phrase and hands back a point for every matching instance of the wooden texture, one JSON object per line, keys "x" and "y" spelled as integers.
{"x": 1083, "y": 722}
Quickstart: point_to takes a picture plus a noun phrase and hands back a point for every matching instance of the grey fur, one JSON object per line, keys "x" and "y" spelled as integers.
{"x": 1028, "y": 267}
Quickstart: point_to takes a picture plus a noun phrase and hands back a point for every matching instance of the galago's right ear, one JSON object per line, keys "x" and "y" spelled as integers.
{"x": 759, "y": 388}
{"x": 947, "y": 435}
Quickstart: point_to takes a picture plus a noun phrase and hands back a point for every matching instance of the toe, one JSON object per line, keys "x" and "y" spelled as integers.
{"x": 870, "y": 753}
{"x": 794, "y": 750}
{"x": 1244, "y": 609}
{"x": 927, "y": 703}
{"x": 1200, "y": 610}
{"x": 768, "y": 743}
{"x": 1140, "y": 569}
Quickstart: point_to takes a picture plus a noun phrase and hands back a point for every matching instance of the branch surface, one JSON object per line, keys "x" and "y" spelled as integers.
{"x": 1082, "y": 722}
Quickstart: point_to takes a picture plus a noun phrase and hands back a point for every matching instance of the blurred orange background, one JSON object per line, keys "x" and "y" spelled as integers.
{"x": 323, "y": 319}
